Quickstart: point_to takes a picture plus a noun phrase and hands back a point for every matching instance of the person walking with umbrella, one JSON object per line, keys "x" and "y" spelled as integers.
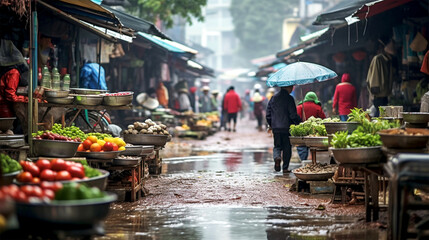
{"x": 281, "y": 113}
{"x": 281, "y": 109}
{"x": 309, "y": 107}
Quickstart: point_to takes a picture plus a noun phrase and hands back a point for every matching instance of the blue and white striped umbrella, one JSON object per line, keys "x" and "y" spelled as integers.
{"x": 300, "y": 73}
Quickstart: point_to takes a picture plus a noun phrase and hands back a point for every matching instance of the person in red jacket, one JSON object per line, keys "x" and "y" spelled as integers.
{"x": 312, "y": 108}
{"x": 232, "y": 105}
{"x": 12, "y": 65}
{"x": 344, "y": 97}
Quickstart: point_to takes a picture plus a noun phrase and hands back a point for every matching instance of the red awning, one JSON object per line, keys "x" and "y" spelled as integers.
{"x": 376, "y": 7}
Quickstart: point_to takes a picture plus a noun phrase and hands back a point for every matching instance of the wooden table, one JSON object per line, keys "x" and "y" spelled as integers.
{"x": 372, "y": 172}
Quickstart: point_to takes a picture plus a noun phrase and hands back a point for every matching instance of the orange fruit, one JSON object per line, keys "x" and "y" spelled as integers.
{"x": 81, "y": 148}
{"x": 95, "y": 147}
{"x": 93, "y": 139}
{"x": 87, "y": 144}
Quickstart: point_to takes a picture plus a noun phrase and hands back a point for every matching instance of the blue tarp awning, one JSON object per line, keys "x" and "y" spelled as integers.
{"x": 160, "y": 42}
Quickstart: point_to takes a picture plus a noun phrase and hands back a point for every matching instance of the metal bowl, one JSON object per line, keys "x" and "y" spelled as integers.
{"x": 357, "y": 155}
{"x": 299, "y": 141}
{"x": 73, "y": 212}
{"x": 6, "y": 123}
{"x": 402, "y": 141}
{"x": 118, "y": 100}
{"x": 56, "y": 93}
{"x": 416, "y": 117}
{"x": 54, "y": 148}
{"x": 147, "y": 149}
{"x": 89, "y": 100}
{"x": 85, "y": 91}
{"x": 99, "y": 155}
{"x": 126, "y": 162}
{"x": 313, "y": 176}
{"x": 320, "y": 142}
{"x": 146, "y": 139}
{"x": 333, "y": 127}
{"x": 63, "y": 100}
{"x": 135, "y": 150}
{"x": 7, "y": 178}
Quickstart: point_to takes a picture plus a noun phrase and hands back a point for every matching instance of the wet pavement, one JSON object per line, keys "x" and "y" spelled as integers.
{"x": 231, "y": 192}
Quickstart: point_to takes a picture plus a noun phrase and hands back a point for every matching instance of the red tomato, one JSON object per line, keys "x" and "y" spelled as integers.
{"x": 43, "y": 164}
{"x": 58, "y": 165}
{"x": 25, "y": 177}
{"x": 37, "y": 192}
{"x": 76, "y": 179}
{"x": 63, "y": 176}
{"x": 35, "y": 180}
{"x": 28, "y": 190}
{"x": 79, "y": 165}
{"x": 21, "y": 197}
{"x": 47, "y": 185}
{"x": 49, "y": 193}
{"x": 69, "y": 163}
{"x": 76, "y": 172}
{"x": 33, "y": 169}
{"x": 48, "y": 175}
{"x": 11, "y": 190}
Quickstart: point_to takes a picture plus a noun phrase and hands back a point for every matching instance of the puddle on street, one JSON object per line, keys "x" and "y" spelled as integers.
{"x": 225, "y": 222}
{"x": 205, "y": 221}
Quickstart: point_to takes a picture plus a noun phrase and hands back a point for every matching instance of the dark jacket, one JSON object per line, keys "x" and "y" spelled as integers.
{"x": 281, "y": 112}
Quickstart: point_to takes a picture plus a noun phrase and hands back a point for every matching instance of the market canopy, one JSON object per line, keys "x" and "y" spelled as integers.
{"x": 340, "y": 12}
{"x": 137, "y": 24}
{"x": 170, "y": 46}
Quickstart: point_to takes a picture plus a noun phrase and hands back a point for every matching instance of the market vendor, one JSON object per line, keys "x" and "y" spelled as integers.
{"x": 12, "y": 68}
{"x": 309, "y": 107}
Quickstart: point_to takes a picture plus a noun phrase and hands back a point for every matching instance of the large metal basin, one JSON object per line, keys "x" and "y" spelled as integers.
{"x": 74, "y": 212}
{"x": 135, "y": 150}
{"x": 118, "y": 100}
{"x": 99, "y": 155}
{"x": 313, "y": 176}
{"x": 56, "y": 93}
{"x": 403, "y": 141}
{"x": 64, "y": 100}
{"x": 319, "y": 142}
{"x": 54, "y": 148}
{"x": 333, "y": 127}
{"x": 146, "y": 139}
{"x": 87, "y": 91}
{"x": 299, "y": 141}
{"x": 416, "y": 117}
{"x": 6, "y": 123}
{"x": 357, "y": 155}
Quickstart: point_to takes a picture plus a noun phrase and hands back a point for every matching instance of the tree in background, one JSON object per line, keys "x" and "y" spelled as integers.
{"x": 151, "y": 10}
{"x": 258, "y": 25}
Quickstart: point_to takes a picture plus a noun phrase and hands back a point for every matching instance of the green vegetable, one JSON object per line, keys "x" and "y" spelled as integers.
{"x": 91, "y": 172}
{"x": 312, "y": 127}
{"x": 74, "y": 191}
{"x": 8, "y": 164}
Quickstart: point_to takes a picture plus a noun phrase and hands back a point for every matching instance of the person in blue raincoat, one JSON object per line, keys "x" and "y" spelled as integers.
{"x": 89, "y": 76}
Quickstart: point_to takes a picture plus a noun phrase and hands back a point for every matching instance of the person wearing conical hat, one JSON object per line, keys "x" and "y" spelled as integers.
{"x": 205, "y": 101}
{"x": 258, "y": 108}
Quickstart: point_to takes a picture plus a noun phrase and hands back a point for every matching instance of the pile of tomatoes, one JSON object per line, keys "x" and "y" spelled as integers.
{"x": 31, "y": 193}
{"x": 54, "y": 170}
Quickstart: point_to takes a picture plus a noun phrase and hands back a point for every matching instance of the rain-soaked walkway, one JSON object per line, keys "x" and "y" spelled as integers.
{"x": 217, "y": 190}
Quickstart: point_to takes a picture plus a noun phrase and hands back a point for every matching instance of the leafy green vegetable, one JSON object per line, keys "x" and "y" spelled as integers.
{"x": 312, "y": 127}
{"x": 8, "y": 164}
{"x": 91, "y": 172}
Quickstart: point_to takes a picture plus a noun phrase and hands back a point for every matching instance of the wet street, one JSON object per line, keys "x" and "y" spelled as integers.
{"x": 225, "y": 187}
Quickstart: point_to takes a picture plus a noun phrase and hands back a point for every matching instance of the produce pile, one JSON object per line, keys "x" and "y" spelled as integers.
{"x": 313, "y": 127}
{"x": 48, "y": 191}
{"x": 8, "y": 164}
{"x": 72, "y": 132}
{"x": 317, "y": 168}
{"x": 107, "y": 144}
{"x": 147, "y": 127}
{"x": 54, "y": 170}
{"x": 365, "y": 135}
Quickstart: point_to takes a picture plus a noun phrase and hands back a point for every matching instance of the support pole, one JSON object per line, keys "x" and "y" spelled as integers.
{"x": 33, "y": 77}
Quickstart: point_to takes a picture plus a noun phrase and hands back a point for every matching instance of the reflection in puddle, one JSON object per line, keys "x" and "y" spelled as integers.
{"x": 224, "y": 222}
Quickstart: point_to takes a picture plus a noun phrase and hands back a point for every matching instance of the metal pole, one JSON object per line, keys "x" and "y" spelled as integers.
{"x": 77, "y": 55}
{"x": 99, "y": 62}
{"x": 33, "y": 76}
